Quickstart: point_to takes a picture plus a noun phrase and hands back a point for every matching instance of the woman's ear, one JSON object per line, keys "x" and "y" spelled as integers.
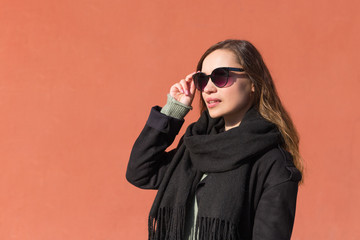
{"x": 252, "y": 88}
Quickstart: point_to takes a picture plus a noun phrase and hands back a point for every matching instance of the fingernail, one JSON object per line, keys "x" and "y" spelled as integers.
{"x": 186, "y": 92}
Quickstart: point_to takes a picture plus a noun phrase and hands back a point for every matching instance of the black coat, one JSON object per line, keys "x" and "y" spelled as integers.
{"x": 262, "y": 190}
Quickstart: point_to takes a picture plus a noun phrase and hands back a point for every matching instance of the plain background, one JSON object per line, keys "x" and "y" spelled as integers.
{"x": 78, "y": 79}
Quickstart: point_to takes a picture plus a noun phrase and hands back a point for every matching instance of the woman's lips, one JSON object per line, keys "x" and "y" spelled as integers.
{"x": 212, "y": 102}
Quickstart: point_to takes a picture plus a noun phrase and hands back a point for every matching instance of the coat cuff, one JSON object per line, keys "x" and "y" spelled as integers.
{"x": 164, "y": 123}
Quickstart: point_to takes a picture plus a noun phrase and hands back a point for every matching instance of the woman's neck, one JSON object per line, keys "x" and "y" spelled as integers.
{"x": 229, "y": 124}
{"x": 234, "y": 120}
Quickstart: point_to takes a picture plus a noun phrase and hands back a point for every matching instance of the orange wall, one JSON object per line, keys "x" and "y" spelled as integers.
{"x": 78, "y": 79}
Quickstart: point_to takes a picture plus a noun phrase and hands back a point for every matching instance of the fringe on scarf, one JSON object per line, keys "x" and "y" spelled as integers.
{"x": 215, "y": 229}
{"x": 170, "y": 225}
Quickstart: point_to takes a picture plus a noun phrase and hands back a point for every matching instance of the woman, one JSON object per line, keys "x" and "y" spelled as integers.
{"x": 235, "y": 172}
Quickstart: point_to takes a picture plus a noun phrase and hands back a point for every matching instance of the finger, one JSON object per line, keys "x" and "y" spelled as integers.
{"x": 176, "y": 89}
{"x": 188, "y": 78}
{"x": 179, "y": 87}
{"x": 185, "y": 87}
{"x": 192, "y": 88}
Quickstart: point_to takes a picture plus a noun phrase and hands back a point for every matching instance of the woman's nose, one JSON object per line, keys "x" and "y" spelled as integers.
{"x": 210, "y": 87}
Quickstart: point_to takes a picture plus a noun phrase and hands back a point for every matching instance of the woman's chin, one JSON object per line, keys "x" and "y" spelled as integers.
{"x": 214, "y": 114}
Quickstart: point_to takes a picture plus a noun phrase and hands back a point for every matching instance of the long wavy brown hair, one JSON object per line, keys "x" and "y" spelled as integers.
{"x": 266, "y": 99}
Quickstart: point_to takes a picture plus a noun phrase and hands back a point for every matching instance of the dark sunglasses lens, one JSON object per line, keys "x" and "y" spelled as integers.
{"x": 220, "y": 77}
{"x": 200, "y": 80}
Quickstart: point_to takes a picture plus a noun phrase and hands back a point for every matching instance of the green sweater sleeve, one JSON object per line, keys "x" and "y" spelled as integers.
{"x": 174, "y": 108}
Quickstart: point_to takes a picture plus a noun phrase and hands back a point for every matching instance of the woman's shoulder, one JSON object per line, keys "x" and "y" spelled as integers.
{"x": 276, "y": 166}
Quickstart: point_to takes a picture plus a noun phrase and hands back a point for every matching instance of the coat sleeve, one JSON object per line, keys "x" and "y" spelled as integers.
{"x": 274, "y": 217}
{"x": 148, "y": 159}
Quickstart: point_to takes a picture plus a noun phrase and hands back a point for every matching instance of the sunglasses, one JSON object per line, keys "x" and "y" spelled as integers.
{"x": 219, "y": 76}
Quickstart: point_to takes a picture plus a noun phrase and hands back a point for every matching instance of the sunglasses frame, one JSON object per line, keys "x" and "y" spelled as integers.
{"x": 228, "y": 69}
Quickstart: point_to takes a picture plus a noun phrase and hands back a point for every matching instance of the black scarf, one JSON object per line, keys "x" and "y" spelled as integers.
{"x": 206, "y": 148}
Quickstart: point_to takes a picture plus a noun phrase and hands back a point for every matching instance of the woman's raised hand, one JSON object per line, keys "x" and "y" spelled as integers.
{"x": 184, "y": 91}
